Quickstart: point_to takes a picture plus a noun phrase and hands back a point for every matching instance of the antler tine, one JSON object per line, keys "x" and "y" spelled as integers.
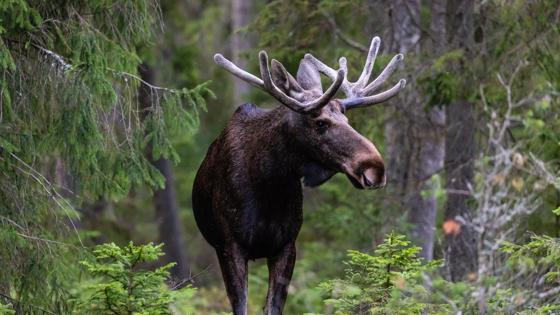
{"x": 385, "y": 74}
{"x": 321, "y": 67}
{"x": 330, "y": 72}
{"x": 331, "y": 91}
{"x": 374, "y": 99}
{"x": 293, "y": 104}
{"x": 357, "y": 93}
{"x": 343, "y": 64}
{"x": 238, "y": 72}
{"x": 370, "y": 60}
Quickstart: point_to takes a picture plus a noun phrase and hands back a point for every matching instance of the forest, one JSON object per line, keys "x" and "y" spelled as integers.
{"x": 109, "y": 107}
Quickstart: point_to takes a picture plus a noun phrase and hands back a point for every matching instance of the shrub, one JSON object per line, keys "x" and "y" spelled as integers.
{"x": 372, "y": 283}
{"x": 121, "y": 286}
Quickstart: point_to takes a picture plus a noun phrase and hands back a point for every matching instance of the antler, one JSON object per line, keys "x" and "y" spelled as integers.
{"x": 358, "y": 93}
{"x": 267, "y": 85}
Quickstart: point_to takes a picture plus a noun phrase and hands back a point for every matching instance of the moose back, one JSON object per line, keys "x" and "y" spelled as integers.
{"x": 247, "y": 194}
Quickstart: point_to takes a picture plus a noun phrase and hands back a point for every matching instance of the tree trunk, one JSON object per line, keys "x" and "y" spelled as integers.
{"x": 426, "y": 159}
{"x": 165, "y": 200}
{"x": 460, "y": 248}
{"x": 241, "y": 42}
{"x": 415, "y": 137}
{"x": 404, "y": 37}
{"x": 170, "y": 227}
{"x": 438, "y": 30}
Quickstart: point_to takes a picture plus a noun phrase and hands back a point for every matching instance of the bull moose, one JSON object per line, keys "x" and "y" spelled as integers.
{"x": 247, "y": 194}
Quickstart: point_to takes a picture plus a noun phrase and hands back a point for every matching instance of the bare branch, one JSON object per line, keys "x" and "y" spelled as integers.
{"x": 345, "y": 38}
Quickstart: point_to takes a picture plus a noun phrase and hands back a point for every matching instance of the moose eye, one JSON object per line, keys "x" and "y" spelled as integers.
{"x": 321, "y": 124}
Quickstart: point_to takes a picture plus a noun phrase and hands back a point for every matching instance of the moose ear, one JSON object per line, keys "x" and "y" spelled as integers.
{"x": 283, "y": 79}
{"x": 308, "y": 77}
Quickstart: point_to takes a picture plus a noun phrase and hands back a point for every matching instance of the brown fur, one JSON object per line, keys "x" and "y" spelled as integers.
{"x": 247, "y": 195}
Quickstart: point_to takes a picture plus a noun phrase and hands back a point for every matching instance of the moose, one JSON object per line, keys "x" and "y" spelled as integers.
{"x": 247, "y": 194}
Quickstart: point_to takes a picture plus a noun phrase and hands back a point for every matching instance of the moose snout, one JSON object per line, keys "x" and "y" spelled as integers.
{"x": 374, "y": 177}
{"x": 367, "y": 174}
{"x": 369, "y": 168}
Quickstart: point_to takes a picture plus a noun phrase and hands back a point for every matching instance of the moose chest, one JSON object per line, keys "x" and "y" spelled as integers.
{"x": 268, "y": 220}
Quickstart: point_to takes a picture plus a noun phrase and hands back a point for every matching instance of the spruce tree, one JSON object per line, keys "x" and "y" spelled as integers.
{"x": 72, "y": 130}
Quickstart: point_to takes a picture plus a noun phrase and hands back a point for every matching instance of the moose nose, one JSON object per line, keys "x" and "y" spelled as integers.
{"x": 374, "y": 177}
{"x": 367, "y": 181}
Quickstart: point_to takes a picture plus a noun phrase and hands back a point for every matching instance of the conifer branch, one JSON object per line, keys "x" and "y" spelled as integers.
{"x": 137, "y": 78}
{"x": 41, "y": 239}
{"x": 49, "y": 189}
{"x": 67, "y": 66}
{"x": 18, "y": 302}
{"x": 58, "y": 58}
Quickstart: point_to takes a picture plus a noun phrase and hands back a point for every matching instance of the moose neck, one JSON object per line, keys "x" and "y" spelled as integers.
{"x": 271, "y": 155}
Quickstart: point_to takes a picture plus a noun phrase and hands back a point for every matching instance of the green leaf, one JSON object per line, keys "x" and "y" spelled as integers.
{"x": 8, "y": 146}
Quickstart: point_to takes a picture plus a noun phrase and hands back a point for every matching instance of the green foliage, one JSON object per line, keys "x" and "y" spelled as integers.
{"x": 6, "y": 309}
{"x": 371, "y": 282}
{"x": 540, "y": 255}
{"x": 394, "y": 281}
{"x": 120, "y": 286}
{"x": 18, "y": 15}
{"x": 527, "y": 286}
{"x": 441, "y": 84}
{"x": 74, "y": 128}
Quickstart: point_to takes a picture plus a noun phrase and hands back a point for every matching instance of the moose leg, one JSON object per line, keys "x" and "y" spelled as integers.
{"x": 280, "y": 268}
{"x": 233, "y": 263}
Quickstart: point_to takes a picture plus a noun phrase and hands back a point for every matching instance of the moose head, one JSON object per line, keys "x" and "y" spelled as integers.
{"x": 317, "y": 123}
{"x": 247, "y": 194}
